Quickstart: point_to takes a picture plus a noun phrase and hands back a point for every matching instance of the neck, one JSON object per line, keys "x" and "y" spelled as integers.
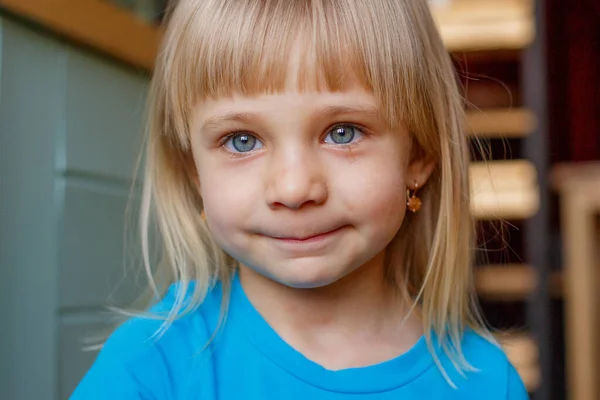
{"x": 356, "y": 321}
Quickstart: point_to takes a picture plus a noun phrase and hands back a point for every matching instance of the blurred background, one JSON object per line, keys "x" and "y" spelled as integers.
{"x": 73, "y": 80}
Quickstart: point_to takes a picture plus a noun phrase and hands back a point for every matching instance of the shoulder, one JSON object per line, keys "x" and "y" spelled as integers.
{"x": 140, "y": 357}
{"x": 145, "y": 332}
{"x": 491, "y": 372}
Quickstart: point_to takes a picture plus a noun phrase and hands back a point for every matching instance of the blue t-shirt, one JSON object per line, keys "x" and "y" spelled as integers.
{"x": 248, "y": 360}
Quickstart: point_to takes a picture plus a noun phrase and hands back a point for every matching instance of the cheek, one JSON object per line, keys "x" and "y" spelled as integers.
{"x": 228, "y": 197}
{"x": 377, "y": 188}
{"x": 383, "y": 200}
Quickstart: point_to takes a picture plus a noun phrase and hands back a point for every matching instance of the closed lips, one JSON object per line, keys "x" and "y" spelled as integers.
{"x": 305, "y": 237}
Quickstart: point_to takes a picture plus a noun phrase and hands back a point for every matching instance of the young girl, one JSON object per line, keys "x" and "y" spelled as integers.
{"x": 307, "y": 171}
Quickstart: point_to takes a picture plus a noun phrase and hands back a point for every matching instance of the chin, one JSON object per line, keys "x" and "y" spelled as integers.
{"x": 302, "y": 283}
{"x": 308, "y": 278}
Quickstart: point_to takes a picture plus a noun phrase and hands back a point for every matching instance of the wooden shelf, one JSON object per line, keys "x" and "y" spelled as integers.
{"x": 578, "y": 186}
{"x": 504, "y": 123}
{"x": 475, "y": 25}
{"x": 503, "y": 190}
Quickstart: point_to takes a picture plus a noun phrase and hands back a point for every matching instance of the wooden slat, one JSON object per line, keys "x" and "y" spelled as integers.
{"x": 94, "y": 23}
{"x": 506, "y": 123}
{"x": 474, "y": 25}
{"x": 505, "y": 282}
{"x": 531, "y": 377}
{"x": 583, "y": 177}
{"x": 512, "y": 282}
{"x": 522, "y": 351}
{"x": 503, "y": 190}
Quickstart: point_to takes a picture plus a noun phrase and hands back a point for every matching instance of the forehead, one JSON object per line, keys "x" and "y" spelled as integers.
{"x": 291, "y": 105}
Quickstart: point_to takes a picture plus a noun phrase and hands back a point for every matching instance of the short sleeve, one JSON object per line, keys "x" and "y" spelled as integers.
{"x": 136, "y": 363}
{"x": 516, "y": 387}
{"x": 104, "y": 381}
{"x": 130, "y": 366}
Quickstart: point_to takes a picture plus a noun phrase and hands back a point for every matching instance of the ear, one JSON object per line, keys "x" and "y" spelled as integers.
{"x": 420, "y": 167}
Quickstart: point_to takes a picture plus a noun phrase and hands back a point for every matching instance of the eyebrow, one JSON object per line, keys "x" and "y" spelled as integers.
{"x": 335, "y": 110}
{"x": 217, "y": 120}
{"x": 325, "y": 112}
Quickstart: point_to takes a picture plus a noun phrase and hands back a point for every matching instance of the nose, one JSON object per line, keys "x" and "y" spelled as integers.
{"x": 296, "y": 180}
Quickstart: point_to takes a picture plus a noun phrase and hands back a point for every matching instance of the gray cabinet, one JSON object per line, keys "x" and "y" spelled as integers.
{"x": 70, "y": 133}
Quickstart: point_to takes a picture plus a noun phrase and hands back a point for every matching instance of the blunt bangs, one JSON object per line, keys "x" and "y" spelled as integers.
{"x": 253, "y": 47}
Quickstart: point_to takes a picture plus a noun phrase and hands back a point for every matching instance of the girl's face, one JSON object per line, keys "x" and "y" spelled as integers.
{"x": 302, "y": 187}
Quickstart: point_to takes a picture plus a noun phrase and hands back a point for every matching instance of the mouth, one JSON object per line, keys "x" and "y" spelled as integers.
{"x": 307, "y": 238}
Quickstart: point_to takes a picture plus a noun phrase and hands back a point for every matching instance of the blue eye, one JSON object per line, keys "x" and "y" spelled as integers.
{"x": 343, "y": 134}
{"x": 243, "y": 143}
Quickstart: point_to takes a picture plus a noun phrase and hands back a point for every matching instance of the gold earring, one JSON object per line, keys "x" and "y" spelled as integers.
{"x": 413, "y": 203}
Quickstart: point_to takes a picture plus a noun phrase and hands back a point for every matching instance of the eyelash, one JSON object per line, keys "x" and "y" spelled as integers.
{"x": 232, "y": 135}
{"x": 348, "y": 146}
{"x": 354, "y": 142}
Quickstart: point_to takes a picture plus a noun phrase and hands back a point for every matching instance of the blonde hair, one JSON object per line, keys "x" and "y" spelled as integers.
{"x": 213, "y": 48}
